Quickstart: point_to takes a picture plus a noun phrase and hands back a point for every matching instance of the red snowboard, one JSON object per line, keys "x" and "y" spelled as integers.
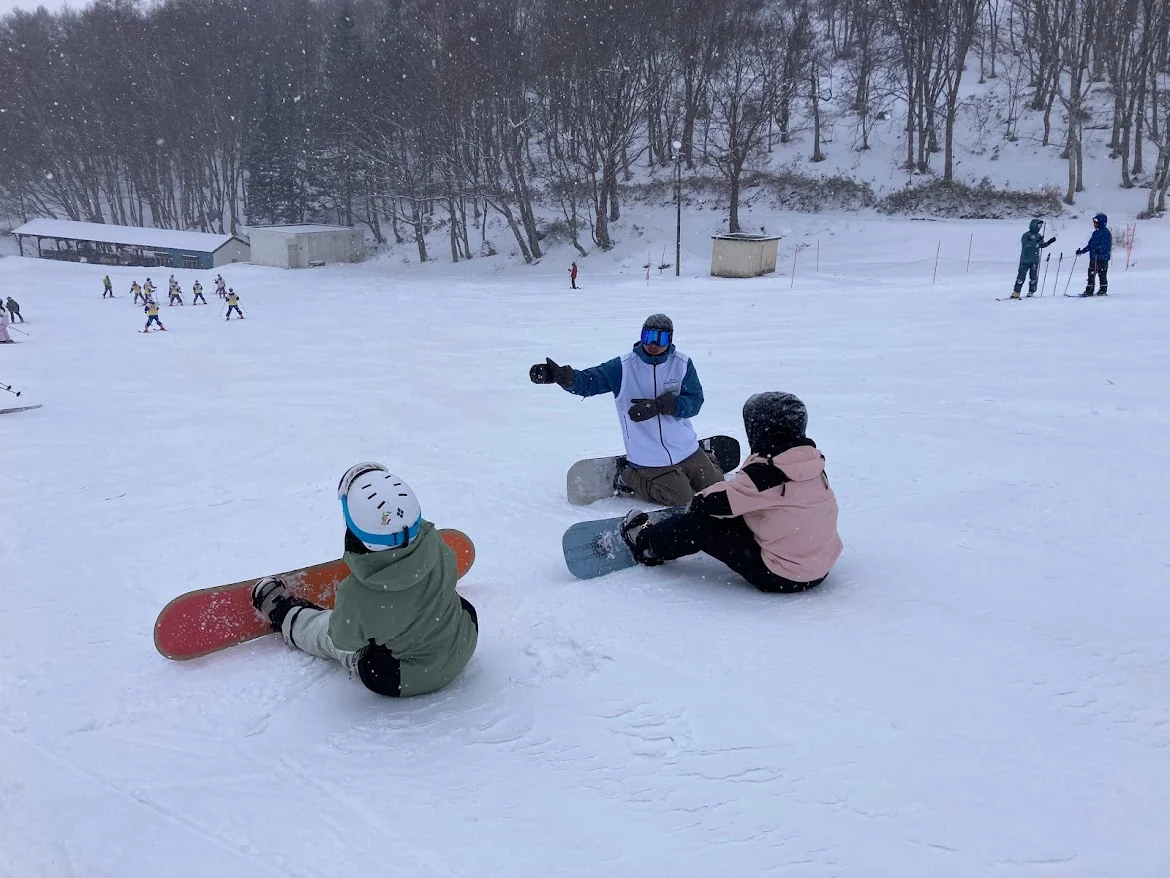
{"x": 210, "y": 619}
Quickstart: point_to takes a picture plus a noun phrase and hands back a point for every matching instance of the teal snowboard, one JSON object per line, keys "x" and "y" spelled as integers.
{"x": 597, "y": 478}
{"x": 595, "y": 548}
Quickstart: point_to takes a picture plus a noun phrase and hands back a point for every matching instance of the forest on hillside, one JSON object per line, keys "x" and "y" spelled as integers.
{"x": 408, "y": 115}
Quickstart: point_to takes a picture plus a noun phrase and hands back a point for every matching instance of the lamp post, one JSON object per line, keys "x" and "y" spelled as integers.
{"x": 677, "y": 205}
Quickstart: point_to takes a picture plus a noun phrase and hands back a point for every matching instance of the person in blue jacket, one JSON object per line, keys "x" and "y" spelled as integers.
{"x": 1099, "y": 248}
{"x": 656, "y": 391}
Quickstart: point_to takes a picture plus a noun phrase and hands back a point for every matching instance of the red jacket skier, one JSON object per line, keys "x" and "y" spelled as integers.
{"x": 573, "y": 276}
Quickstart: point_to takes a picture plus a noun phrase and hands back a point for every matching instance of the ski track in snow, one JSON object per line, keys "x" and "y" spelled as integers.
{"x": 981, "y": 687}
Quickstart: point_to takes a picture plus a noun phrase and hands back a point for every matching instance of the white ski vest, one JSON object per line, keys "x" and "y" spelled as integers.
{"x": 662, "y": 440}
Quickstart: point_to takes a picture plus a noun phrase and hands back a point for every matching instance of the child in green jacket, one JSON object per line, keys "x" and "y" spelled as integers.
{"x": 398, "y": 621}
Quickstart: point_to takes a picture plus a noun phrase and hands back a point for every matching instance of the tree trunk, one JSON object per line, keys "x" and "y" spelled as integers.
{"x": 420, "y": 237}
{"x": 733, "y": 198}
{"x": 815, "y": 94}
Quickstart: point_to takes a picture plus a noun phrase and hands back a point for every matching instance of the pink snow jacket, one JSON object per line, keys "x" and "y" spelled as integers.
{"x": 4, "y": 336}
{"x": 789, "y": 506}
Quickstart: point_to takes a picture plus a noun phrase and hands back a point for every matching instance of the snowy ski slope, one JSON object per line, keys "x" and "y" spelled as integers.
{"x": 981, "y": 688}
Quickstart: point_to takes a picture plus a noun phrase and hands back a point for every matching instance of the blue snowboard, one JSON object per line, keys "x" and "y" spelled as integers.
{"x": 595, "y": 548}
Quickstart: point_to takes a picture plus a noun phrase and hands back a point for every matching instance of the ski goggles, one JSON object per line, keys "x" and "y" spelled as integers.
{"x": 659, "y": 337}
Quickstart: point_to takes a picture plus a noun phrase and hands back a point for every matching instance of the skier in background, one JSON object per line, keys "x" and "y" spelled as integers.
{"x": 656, "y": 389}
{"x": 1031, "y": 243}
{"x": 151, "y": 309}
{"x": 13, "y": 310}
{"x": 175, "y": 292}
{"x": 5, "y": 338}
{"x": 107, "y": 287}
{"x": 136, "y": 289}
{"x": 233, "y": 301}
{"x": 573, "y": 276}
{"x": 398, "y": 622}
{"x": 148, "y": 289}
{"x": 1100, "y": 249}
{"x": 220, "y": 286}
{"x": 197, "y": 291}
{"x": 774, "y": 523}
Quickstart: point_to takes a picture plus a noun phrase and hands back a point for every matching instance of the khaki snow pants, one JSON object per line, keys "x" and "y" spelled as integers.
{"x": 673, "y": 485}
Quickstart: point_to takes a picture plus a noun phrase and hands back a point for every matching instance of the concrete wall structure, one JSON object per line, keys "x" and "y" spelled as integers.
{"x": 740, "y": 255}
{"x": 300, "y": 246}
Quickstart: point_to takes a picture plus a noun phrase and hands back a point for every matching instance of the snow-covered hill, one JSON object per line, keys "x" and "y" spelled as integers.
{"x": 980, "y": 687}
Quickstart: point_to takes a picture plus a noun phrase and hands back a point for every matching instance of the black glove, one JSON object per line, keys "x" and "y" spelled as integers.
{"x": 1079, "y": 252}
{"x": 698, "y": 504}
{"x": 645, "y": 409}
{"x": 549, "y": 372}
{"x": 1050, "y": 241}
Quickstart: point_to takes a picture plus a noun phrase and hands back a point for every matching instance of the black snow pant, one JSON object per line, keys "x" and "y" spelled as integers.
{"x": 199, "y": 298}
{"x": 14, "y": 314}
{"x": 729, "y": 540}
{"x": 1032, "y": 271}
{"x": 1098, "y": 269}
{"x": 107, "y": 292}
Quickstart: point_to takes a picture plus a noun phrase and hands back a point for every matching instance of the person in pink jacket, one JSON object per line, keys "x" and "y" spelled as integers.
{"x": 5, "y": 338}
{"x": 774, "y": 523}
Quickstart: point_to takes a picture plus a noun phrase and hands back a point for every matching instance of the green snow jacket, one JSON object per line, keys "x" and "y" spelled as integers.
{"x": 405, "y": 599}
{"x": 1031, "y": 243}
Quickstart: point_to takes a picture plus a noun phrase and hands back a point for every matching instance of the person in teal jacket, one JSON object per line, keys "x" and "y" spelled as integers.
{"x": 1031, "y": 243}
{"x": 398, "y": 622}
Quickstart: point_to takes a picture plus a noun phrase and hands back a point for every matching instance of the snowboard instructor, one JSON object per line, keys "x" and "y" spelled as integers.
{"x": 656, "y": 390}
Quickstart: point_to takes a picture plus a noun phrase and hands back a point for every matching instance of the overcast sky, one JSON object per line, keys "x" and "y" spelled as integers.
{"x": 30, "y": 5}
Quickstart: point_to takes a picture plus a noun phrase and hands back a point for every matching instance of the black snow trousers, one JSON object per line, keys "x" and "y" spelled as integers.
{"x": 729, "y": 540}
{"x": 1098, "y": 269}
{"x": 1031, "y": 270}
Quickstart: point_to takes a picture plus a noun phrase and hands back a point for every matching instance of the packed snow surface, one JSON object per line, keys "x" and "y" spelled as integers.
{"x": 981, "y": 687}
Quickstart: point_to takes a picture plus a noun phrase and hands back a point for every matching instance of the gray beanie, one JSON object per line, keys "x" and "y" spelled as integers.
{"x": 660, "y": 322}
{"x": 774, "y": 421}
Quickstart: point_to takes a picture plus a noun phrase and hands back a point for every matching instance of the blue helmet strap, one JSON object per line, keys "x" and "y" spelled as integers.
{"x": 390, "y": 540}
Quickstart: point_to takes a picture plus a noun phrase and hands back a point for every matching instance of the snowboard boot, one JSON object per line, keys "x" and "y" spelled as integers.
{"x": 633, "y": 531}
{"x": 619, "y": 484}
{"x": 1101, "y": 292}
{"x": 271, "y": 598}
{"x": 1087, "y": 294}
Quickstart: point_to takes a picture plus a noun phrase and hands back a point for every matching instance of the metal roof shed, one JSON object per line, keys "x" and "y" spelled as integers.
{"x": 107, "y": 244}
{"x": 742, "y": 255}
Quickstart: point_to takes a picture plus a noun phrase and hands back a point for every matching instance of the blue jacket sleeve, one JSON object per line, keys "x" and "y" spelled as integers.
{"x": 690, "y": 398}
{"x": 606, "y": 378}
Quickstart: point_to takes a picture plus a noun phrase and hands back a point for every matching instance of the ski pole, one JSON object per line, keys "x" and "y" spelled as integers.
{"x": 8, "y": 387}
{"x": 1070, "y": 273}
{"x": 1044, "y": 283}
{"x": 14, "y": 329}
{"x": 1056, "y": 281}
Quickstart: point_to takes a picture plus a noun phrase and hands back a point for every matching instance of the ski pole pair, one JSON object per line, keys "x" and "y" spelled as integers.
{"x": 1071, "y": 270}
{"x": 8, "y": 387}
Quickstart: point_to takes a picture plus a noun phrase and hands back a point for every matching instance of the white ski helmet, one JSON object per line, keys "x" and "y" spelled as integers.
{"x": 379, "y": 508}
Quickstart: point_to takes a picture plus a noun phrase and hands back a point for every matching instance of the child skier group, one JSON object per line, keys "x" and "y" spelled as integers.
{"x": 1099, "y": 248}
{"x": 145, "y": 292}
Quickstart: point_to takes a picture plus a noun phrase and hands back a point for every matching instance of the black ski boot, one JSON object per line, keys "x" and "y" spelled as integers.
{"x": 271, "y": 598}
{"x": 633, "y": 531}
